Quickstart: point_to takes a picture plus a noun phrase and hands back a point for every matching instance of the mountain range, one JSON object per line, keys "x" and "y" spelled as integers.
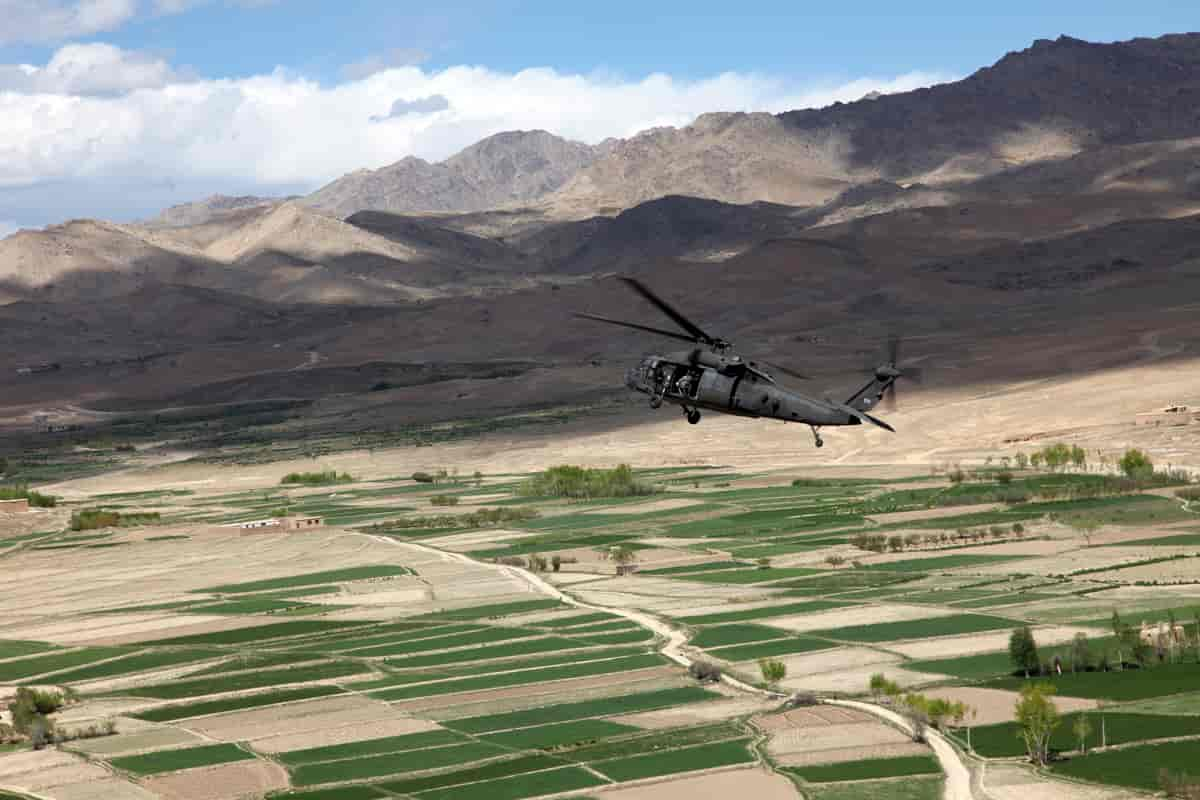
{"x": 1066, "y": 176}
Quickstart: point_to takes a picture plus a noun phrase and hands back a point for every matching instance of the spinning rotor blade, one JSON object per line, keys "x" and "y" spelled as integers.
{"x": 636, "y": 327}
{"x": 913, "y": 374}
{"x": 787, "y": 371}
{"x": 678, "y": 318}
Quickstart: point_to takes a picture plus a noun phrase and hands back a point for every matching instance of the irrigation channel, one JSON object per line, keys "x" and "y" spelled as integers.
{"x": 958, "y": 785}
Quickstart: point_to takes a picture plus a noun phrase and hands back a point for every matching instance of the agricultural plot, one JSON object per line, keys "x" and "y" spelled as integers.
{"x": 352, "y": 769}
{"x": 1110, "y": 727}
{"x": 1118, "y": 686}
{"x": 607, "y": 707}
{"x": 1135, "y": 767}
{"x": 172, "y": 760}
{"x": 763, "y": 612}
{"x": 918, "y": 628}
{"x": 869, "y": 769}
{"x": 670, "y": 762}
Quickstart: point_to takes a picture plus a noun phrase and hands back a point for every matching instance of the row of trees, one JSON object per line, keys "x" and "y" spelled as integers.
{"x": 483, "y": 518}
{"x": 583, "y": 484}
{"x": 878, "y": 543}
{"x": 30, "y": 712}
{"x": 917, "y": 709}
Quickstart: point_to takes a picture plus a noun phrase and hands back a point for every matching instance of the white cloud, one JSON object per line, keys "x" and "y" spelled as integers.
{"x": 58, "y": 20}
{"x": 281, "y": 129}
{"x": 54, "y": 20}
{"x": 87, "y": 69}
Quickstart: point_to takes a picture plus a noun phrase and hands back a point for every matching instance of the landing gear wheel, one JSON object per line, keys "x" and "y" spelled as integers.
{"x": 656, "y": 401}
{"x": 817, "y": 437}
{"x": 693, "y": 416}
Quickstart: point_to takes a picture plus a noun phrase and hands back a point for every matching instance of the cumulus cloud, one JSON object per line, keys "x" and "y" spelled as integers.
{"x": 88, "y": 69}
{"x": 282, "y": 129}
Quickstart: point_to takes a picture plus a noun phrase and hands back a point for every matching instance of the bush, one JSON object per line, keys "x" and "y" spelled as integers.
{"x": 705, "y": 671}
{"x": 422, "y": 477}
{"x": 483, "y": 518}
{"x": 556, "y": 563}
{"x": 94, "y": 518}
{"x": 323, "y": 478}
{"x": 835, "y": 560}
{"x": 443, "y": 500}
{"x": 23, "y": 492}
{"x": 581, "y": 484}
{"x": 1136, "y": 464}
{"x": 1004, "y": 477}
{"x": 957, "y": 476}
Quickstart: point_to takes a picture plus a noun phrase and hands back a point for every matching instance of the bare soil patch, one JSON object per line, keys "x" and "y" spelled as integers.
{"x": 1011, "y": 782}
{"x": 107, "y": 788}
{"x": 141, "y": 742}
{"x": 997, "y": 705}
{"x": 291, "y": 718}
{"x": 755, "y": 782}
{"x": 951, "y": 646}
{"x": 929, "y": 513}
{"x": 695, "y": 714}
{"x": 354, "y": 732}
{"x": 897, "y": 750}
{"x": 857, "y": 615}
{"x": 228, "y": 781}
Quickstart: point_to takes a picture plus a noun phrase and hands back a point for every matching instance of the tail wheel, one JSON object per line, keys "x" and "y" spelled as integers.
{"x": 693, "y": 416}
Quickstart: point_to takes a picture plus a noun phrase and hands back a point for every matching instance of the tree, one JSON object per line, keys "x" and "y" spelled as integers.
{"x": 1081, "y": 653}
{"x": 556, "y": 563}
{"x": 622, "y": 554}
{"x": 1082, "y": 728}
{"x": 1086, "y": 527}
{"x": 773, "y": 670}
{"x": 1022, "y": 461}
{"x": 1117, "y": 628}
{"x": 878, "y": 685}
{"x": 1136, "y": 464}
{"x": 1022, "y": 649}
{"x": 915, "y": 709}
{"x": 1037, "y": 717}
{"x": 1078, "y": 457}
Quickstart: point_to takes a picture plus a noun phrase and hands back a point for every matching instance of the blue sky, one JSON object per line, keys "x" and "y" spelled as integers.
{"x": 680, "y": 37}
{"x": 114, "y": 108}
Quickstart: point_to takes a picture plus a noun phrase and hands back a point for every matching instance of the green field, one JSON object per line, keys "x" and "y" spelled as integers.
{"x": 910, "y": 788}
{"x": 140, "y": 662}
{"x": 936, "y": 563}
{"x": 392, "y": 763}
{"x": 523, "y": 677}
{"x": 473, "y": 639}
{"x": 722, "y": 635}
{"x": 748, "y": 576}
{"x": 488, "y": 772}
{"x": 870, "y": 769}
{"x": 311, "y": 578}
{"x": 779, "y": 647}
{"x": 1136, "y": 767}
{"x": 533, "y": 784}
{"x": 259, "y": 679}
{"x": 670, "y": 762}
{"x": 1177, "y": 540}
{"x": 15, "y": 648}
{"x": 690, "y": 568}
{"x": 655, "y": 741}
{"x": 495, "y": 611}
{"x": 171, "y": 760}
{"x": 187, "y": 710}
{"x": 1129, "y": 684}
{"x": 918, "y": 628}
{"x": 1003, "y": 740}
{"x": 57, "y": 661}
{"x": 972, "y": 668}
{"x": 559, "y": 734}
{"x": 261, "y": 633}
{"x": 763, "y": 612}
{"x": 370, "y": 747}
{"x": 565, "y": 712}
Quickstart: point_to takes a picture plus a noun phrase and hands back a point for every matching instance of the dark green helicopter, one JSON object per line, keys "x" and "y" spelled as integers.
{"x": 713, "y": 377}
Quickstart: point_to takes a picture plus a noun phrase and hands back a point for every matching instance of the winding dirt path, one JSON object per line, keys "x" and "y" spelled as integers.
{"x": 958, "y": 777}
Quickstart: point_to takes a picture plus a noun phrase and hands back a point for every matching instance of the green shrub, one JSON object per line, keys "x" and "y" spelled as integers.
{"x": 443, "y": 500}
{"x": 23, "y": 492}
{"x": 483, "y": 518}
{"x": 422, "y": 477}
{"x": 323, "y": 478}
{"x": 579, "y": 483}
{"x": 94, "y": 518}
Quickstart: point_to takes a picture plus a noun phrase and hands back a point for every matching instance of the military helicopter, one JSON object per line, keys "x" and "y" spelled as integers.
{"x": 711, "y": 376}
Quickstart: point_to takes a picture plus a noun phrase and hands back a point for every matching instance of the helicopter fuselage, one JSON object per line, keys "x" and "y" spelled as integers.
{"x": 701, "y": 379}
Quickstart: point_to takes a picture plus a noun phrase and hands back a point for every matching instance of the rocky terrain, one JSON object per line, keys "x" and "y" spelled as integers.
{"x": 1055, "y": 189}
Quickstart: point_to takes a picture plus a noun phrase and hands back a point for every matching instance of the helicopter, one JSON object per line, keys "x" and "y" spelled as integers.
{"x": 713, "y": 377}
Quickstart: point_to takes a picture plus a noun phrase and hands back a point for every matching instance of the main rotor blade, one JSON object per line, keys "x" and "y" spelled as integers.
{"x": 893, "y": 348}
{"x": 786, "y": 371}
{"x": 665, "y": 307}
{"x": 636, "y": 327}
{"x": 879, "y": 422}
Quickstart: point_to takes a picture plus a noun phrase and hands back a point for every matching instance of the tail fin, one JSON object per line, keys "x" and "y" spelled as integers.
{"x": 869, "y": 396}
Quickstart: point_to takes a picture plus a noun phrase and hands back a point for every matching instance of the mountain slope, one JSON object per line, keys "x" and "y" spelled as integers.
{"x": 511, "y": 167}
